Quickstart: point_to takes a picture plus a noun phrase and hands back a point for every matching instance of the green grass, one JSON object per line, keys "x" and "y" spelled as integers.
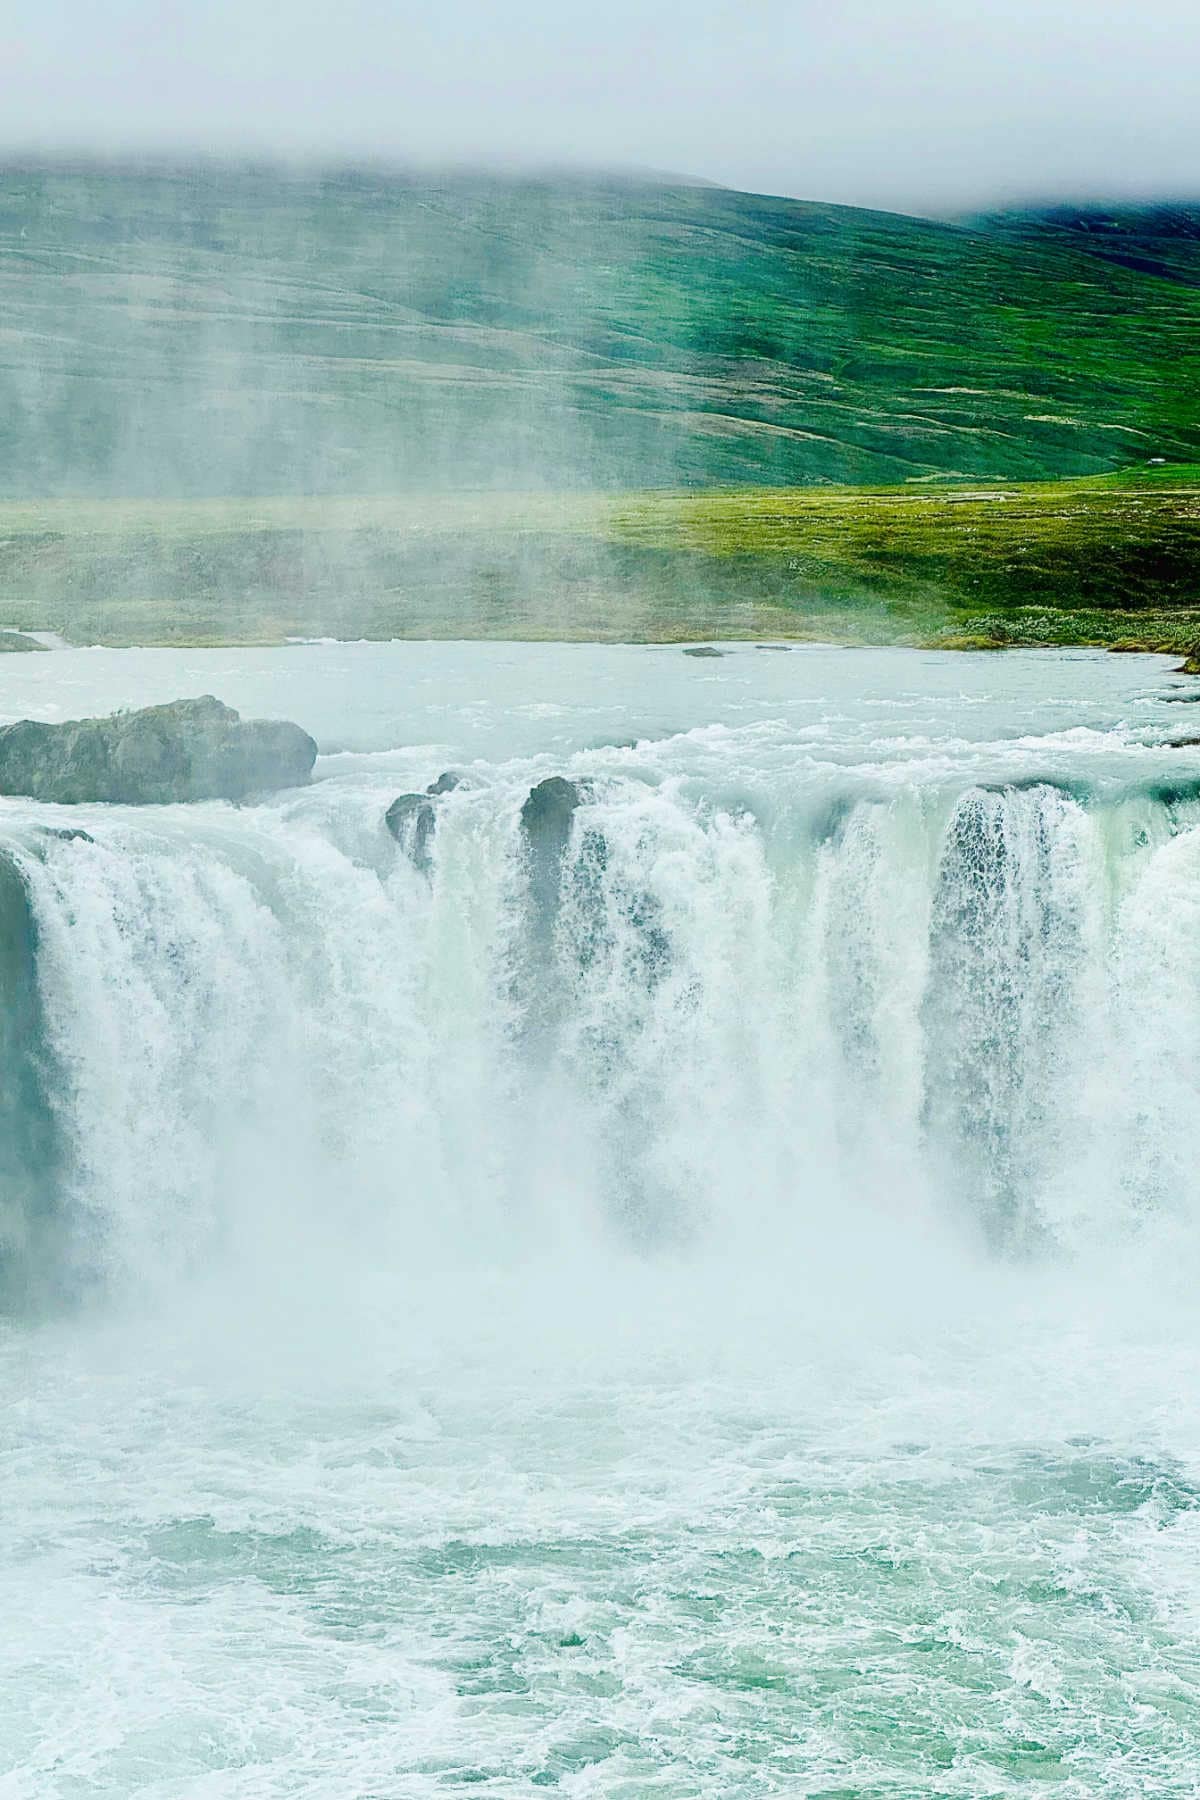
{"x": 1099, "y": 560}
{"x": 371, "y": 404}
{"x": 216, "y": 331}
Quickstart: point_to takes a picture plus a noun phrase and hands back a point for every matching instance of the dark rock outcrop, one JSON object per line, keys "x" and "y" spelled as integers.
{"x": 186, "y": 750}
{"x": 412, "y": 819}
{"x": 546, "y": 820}
{"x": 18, "y": 641}
{"x": 705, "y": 650}
{"x": 68, "y": 834}
{"x": 445, "y": 783}
{"x": 28, "y": 1133}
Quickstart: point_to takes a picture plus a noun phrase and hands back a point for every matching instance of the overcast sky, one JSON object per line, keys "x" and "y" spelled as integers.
{"x": 921, "y": 104}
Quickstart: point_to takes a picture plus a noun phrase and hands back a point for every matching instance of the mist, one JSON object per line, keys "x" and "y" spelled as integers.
{"x": 249, "y": 255}
{"x": 933, "y": 106}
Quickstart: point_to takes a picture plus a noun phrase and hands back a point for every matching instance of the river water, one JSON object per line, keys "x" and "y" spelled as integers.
{"x": 728, "y": 1329}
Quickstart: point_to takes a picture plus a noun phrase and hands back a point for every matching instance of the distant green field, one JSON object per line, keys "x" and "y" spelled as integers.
{"x": 1111, "y": 560}
{"x": 587, "y": 408}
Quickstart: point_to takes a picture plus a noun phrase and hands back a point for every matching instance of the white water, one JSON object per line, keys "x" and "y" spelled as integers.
{"x": 736, "y": 1339}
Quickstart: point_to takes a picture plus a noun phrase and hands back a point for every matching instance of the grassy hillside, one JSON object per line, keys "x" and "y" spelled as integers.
{"x": 240, "y": 332}
{"x": 241, "y": 405}
{"x": 1105, "y": 560}
{"x": 1163, "y": 241}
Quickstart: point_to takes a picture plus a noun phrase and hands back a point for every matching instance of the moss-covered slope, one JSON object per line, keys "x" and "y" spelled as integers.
{"x": 239, "y": 332}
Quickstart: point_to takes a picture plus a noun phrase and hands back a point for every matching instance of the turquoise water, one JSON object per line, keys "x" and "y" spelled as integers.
{"x": 746, "y": 1348}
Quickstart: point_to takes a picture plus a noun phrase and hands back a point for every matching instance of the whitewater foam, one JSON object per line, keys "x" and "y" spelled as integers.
{"x": 734, "y": 1335}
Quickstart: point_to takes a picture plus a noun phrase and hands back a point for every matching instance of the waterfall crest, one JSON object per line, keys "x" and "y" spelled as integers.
{"x": 711, "y": 1023}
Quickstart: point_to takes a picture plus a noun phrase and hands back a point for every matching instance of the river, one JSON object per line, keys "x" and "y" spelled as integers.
{"x": 725, "y": 1328}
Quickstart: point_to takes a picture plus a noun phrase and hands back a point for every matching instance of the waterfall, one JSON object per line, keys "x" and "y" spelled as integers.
{"x": 272, "y": 1031}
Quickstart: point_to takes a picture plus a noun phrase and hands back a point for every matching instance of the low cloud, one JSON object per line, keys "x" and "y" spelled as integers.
{"x": 937, "y": 105}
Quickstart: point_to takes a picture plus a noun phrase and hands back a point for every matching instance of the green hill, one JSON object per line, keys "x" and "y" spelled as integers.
{"x": 223, "y": 331}
{"x": 1151, "y": 240}
{"x": 241, "y": 404}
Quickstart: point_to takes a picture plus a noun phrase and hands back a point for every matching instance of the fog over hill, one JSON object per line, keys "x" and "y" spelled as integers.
{"x": 235, "y": 330}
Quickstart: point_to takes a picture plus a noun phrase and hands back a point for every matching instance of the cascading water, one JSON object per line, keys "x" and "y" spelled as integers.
{"x": 672, "y": 1274}
{"x": 695, "y": 1025}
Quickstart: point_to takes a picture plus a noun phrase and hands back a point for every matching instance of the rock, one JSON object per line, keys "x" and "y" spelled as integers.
{"x": 412, "y": 819}
{"x": 29, "y": 1147}
{"x": 546, "y": 820}
{"x": 546, "y": 971}
{"x": 1192, "y": 665}
{"x": 547, "y": 814}
{"x": 705, "y": 650}
{"x": 186, "y": 750}
{"x": 68, "y": 834}
{"x": 445, "y": 784}
{"x": 18, "y": 641}
{"x": 540, "y": 985}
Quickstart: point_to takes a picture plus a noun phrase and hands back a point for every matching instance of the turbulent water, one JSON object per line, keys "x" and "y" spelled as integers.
{"x": 702, "y": 1306}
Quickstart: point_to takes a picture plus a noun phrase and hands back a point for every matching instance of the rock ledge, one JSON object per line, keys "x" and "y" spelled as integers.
{"x": 186, "y": 750}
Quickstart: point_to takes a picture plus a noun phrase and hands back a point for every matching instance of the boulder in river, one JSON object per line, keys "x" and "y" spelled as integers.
{"x": 68, "y": 834}
{"x": 445, "y": 783}
{"x": 412, "y": 819}
{"x": 185, "y": 750}
{"x": 546, "y": 820}
{"x": 28, "y": 1134}
{"x": 548, "y": 811}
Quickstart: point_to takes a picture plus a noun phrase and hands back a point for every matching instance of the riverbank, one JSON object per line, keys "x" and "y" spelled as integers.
{"x": 1112, "y": 561}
